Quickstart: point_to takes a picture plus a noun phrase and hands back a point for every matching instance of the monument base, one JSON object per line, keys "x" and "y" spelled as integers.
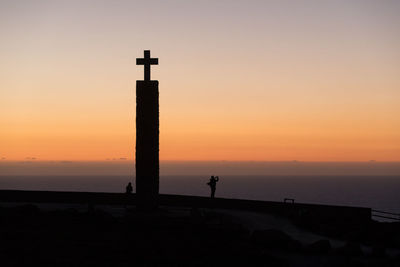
{"x": 147, "y": 144}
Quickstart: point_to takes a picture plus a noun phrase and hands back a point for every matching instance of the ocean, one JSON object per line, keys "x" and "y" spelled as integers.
{"x": 377, "y": 192}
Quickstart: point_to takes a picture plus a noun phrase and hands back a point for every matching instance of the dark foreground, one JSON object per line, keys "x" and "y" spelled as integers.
{"x": 318, "y": 213}
{"x": 30, "y": 236}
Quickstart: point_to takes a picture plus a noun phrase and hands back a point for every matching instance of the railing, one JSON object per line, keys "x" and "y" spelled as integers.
{"x": 386, "y": 215}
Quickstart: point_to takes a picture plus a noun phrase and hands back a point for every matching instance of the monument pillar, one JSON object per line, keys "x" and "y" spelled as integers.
{"x": 147, "y": 137}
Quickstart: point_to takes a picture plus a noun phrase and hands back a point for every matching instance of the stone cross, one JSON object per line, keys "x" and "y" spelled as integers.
{"x": 147, "y": 62}
{"x": 147, "y": 160}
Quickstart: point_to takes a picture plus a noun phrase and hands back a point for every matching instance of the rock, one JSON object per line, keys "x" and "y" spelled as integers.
{"x": 351, "y": 249}
{"x": 275, "y": 239}
{"x": 294, "y": 245}
{"x": 320, "y": 246}
{"x": 378, "y": 250}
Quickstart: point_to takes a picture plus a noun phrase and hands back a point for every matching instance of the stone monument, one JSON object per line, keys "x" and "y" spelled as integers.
{"x": 147, "y": 137}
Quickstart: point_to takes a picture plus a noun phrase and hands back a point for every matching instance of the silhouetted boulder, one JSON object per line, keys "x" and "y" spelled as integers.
{"x": 275, "y": 239}
{"x": 294, "y": 245}
{"x": 378, "y": 250}
{"x": 320, "y": 246}
{"x": 351, "y": 249}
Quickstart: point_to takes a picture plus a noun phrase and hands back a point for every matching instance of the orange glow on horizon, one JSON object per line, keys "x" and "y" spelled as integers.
{"x": 275, "y": 142}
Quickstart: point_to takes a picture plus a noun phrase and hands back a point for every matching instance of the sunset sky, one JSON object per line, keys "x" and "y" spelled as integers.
{"x": 239, "y": 80}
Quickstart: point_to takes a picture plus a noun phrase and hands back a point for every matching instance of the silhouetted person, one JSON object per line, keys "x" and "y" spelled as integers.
{"x": 213, "y": 185}
{"x": 128, "y": 192}
{"x": 129, "y": 188}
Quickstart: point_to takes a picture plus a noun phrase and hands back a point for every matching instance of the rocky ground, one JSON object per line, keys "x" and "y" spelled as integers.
{"x": 101, "y": 236}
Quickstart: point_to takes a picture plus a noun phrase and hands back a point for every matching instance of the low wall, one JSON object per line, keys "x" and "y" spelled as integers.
{"x": 311, "y": 211}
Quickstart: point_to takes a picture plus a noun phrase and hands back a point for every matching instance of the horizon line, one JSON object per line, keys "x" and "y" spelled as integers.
{"x": 194, "y": 161}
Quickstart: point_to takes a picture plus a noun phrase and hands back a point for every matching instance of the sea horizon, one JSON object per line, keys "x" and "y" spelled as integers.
{"x": 376, "y": 192}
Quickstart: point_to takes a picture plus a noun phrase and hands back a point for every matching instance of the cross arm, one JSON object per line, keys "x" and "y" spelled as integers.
{"x": 140, "y": 61}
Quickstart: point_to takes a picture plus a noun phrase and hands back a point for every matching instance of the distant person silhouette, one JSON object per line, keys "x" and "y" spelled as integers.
{"x": 213, "y": 185}
{"x": 128, "y": 192}
{"x": 129, "y": 188}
